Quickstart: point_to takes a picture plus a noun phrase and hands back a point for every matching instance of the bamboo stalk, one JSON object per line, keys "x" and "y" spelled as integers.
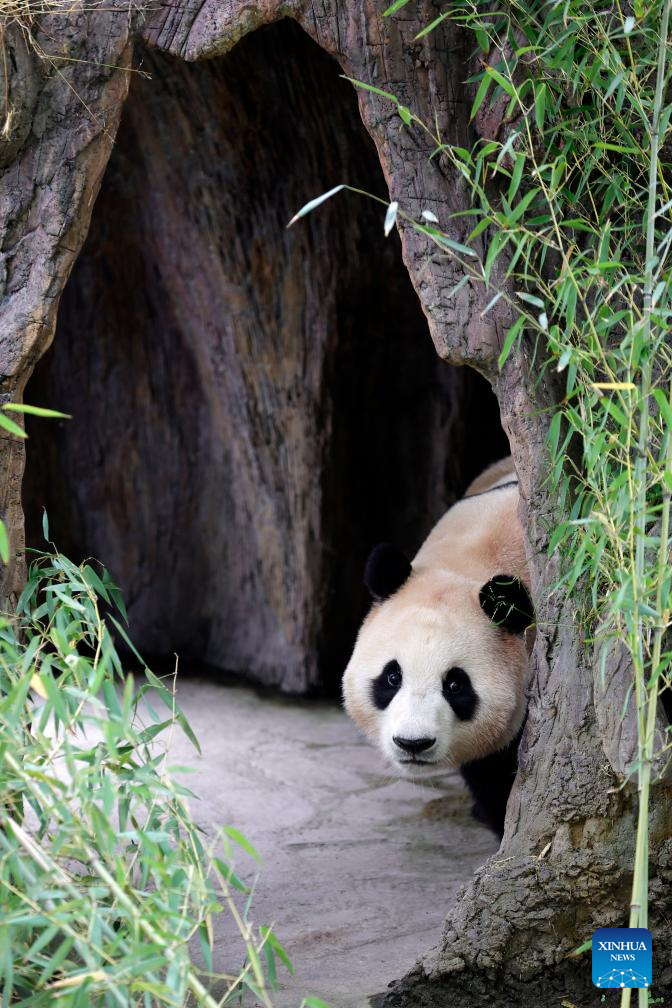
{"x": 646, "y": 729}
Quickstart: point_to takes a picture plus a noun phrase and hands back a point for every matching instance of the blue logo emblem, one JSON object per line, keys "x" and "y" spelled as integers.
{"x": 622, "y": 957}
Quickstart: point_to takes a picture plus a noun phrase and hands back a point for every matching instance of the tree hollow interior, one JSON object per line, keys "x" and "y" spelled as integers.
{"x": 253, "y": 407}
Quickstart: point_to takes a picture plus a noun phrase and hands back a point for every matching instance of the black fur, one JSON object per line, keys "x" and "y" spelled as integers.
{"x": 382, "y": 690}
{"x": 500, "y": 486}
{"x": 464, "y": 698}
{"x": 490, "y": 781}
{"x": 505, "y": 601}
{"x": 386, "y": 570}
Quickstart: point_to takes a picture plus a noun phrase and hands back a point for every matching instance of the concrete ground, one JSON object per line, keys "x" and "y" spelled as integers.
{"x": 358, "y": 868}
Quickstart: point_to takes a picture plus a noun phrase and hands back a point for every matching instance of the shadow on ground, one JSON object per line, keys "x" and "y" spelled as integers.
{"x": 359, "y": 868}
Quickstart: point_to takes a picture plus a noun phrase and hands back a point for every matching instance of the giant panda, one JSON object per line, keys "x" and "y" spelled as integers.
{"x": 438, "y": 674}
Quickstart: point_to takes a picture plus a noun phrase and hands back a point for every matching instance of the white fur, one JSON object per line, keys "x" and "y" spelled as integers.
{"x": 434, "y": 622}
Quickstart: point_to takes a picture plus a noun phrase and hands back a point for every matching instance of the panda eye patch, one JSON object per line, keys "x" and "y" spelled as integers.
{"x": 460, "y": 694}
{"x": 385, "y": 686}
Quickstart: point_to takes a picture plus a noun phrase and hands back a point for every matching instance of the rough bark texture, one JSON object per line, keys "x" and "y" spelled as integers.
{"x": 564, "y": 864}
{"x": 253, "y": 407}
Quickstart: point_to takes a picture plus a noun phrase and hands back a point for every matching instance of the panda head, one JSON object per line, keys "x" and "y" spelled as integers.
{"x": 438, "y": 673}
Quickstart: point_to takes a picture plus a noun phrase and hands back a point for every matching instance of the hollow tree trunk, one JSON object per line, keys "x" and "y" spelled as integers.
{"x": 248, "y": 401}
{"x": 564, "y": 865}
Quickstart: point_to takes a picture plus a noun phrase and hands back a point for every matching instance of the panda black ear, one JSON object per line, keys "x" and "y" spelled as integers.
{"x": 505, "y": 600}
{"x": 386, "y": 570}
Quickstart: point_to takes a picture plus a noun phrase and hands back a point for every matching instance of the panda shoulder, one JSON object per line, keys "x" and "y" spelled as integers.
{"x": 501, "y": 473}
{"x": 489, "y": 507}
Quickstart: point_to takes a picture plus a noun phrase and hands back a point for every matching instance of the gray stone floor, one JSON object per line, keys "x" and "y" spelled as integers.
{"x": 358, "y": 868}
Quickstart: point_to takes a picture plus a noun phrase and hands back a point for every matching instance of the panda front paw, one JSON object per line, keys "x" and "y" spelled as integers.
{"x": 487, "y": 817}
{"x": 479, "y": 814}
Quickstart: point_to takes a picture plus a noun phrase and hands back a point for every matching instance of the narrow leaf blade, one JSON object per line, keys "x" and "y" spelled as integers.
{"x": 312, "y": 204}
{"x": 390, "y": 217}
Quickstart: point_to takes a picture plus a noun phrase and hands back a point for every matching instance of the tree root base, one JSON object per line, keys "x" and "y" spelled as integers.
{"x": 567, "y": 985}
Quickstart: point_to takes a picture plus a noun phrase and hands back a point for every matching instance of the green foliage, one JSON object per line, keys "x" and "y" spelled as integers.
{"x": 575, "y": 201}
{"x": 583, "y": 210}
{"x": 573, "y": 204}
{"x": 107, "y": 885}
{"x": 9, "y": 425}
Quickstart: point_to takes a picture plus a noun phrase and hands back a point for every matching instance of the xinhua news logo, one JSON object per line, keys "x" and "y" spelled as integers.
{"x": 622, "y": 957}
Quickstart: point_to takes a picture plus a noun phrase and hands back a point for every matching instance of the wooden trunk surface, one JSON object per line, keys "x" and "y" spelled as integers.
{"x": 239, "y": 427}
{"x": 253, "y": 407}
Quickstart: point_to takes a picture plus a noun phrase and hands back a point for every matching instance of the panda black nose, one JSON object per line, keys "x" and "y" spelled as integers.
{"x": 413, "y": 745}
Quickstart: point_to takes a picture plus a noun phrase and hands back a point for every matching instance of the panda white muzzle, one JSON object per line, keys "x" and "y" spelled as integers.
{"x": 413, "y": 746}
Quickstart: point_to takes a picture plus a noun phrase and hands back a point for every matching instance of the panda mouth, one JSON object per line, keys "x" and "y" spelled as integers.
{"x": 417, "y": 762}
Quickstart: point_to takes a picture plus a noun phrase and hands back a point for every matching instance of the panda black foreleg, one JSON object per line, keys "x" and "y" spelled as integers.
{"x": 490, "y": 781}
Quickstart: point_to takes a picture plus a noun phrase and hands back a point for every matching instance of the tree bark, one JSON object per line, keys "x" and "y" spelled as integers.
{"x": 164, "y": 248}
{"x": 249, "y": 402}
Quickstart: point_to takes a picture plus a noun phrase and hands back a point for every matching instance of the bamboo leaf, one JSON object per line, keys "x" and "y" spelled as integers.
{"x": 497, "y": 245}
{"x": 278, "y": 948}
{"x": 554, "y": 434}
{"x": 516, "y": 177}
{"x": 394, "y": 7}
{"x": 480, "y": 228}
{"x": 458, "y": 287}
{"x": 603, "y": 145}
{"x": 242, "y": 841}
{"x": 390, "y": 217}
{"x": 539, "y": 105}
{"x": 39, "y": 411}
{"x": 433, "y": 24}
{"x": 615, "y": 412}
{"x": 491, "y": 303}
{"x": 564, "y": 359}
{"x": 483, "y": 88}
{"x": 229, "y": 875}
{"x": 664, "y": 407}
{"x": 312, "y": 204}
{"x": 505, "y": 84}
{"x": 454, "y": 246}
{"x": 11, "y": 427}
{"x": 627, "y": 386}
{"x": 530, "y": 298}
{"x": 615, "y": 83}
{"x": 512, "y": 334}
{"x": 37, "y": 685}
{"x": 522, "y": 206}
{"x": 372, "y": 89}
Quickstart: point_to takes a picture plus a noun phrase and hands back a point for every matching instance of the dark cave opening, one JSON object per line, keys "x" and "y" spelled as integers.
{"x": 253, "y": 408}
